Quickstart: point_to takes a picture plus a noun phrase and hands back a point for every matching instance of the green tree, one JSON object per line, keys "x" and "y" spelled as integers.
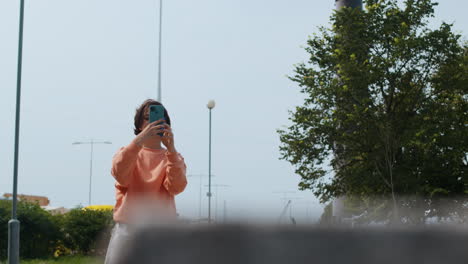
{"x": 386, "y": 108}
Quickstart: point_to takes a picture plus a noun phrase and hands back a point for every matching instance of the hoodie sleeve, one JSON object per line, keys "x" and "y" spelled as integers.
{"x": 124, "y": 163}
{"x": 176, "y": 180}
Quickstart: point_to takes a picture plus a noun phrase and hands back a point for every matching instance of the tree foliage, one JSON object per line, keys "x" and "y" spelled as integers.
{"x": 386, "y": 106}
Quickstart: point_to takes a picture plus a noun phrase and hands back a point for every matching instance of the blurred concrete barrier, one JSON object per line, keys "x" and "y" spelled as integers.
{"x": 280, "y": 245}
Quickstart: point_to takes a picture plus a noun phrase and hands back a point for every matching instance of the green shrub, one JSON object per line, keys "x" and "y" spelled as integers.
{"x": 85, "y": 228}
{"x": 39, "y": 232}
{"x": 5, "y": 216}
{"x": 43, "y": 235}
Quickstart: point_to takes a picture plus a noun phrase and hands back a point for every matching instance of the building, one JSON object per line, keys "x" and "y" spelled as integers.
{"x": 42, "y": 201}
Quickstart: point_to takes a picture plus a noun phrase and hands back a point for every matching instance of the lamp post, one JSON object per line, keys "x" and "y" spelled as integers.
{"x": 159, "y": 56}
{"x": 14, "y": 224}
{"x": 211, "y": 104}
{"x": 92, "y": 142}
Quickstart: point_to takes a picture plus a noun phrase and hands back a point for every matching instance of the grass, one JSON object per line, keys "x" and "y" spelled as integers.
{"x": 64, "y": 260}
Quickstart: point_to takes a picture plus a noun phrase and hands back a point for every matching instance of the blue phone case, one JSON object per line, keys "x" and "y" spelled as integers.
{"x": 156, "y": 112}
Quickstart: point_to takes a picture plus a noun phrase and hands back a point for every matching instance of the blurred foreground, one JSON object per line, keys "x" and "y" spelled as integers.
{"x": 246, "y": 244}
{"x": 351, "y": 231}
{"x": 64, "y": 260}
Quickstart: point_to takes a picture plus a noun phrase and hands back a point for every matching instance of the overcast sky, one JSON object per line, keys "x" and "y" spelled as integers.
{"x": 89, "y": 63}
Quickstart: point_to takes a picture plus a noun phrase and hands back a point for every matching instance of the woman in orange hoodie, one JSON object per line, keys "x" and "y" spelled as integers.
{"x": 147, "y": 175}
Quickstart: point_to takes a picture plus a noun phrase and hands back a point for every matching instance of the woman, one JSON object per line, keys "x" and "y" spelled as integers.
{"x": 147, "y": 176}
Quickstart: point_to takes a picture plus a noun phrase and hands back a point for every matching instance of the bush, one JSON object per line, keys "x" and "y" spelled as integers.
{"x": 5, "y": 216}
{"x": 85, "y": 228}
{"x": 39, "y": 232}
{"x": 43, "y": 235}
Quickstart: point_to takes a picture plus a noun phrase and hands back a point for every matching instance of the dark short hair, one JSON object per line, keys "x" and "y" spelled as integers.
{"x": 144, "y": 108}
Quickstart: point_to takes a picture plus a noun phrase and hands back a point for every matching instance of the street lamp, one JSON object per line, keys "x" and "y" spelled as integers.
{"x": 92, "y": 142}
{"x": 159, "y": 56}
{"x": 211, "y": 104}
{"x": 14, "y": 224}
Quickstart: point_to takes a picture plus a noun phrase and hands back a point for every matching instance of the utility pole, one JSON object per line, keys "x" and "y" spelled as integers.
{"x": 159, "y": 50}
{"x": 14, "y": 223}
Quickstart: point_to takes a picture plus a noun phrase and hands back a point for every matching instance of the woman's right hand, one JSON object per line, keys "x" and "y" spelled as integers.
{"x": 149, "y": 132}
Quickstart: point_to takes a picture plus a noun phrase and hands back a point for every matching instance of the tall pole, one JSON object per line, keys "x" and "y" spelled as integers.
{"x": 209, "y": 172}
{"x": 14, "y": 224}
{"x": 211, "y": 104}
{"x": 159, "y": 56}
{"x": 91, "y": 142}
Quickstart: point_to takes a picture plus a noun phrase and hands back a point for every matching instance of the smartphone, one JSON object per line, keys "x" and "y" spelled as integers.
{"x": 156, "y": 112}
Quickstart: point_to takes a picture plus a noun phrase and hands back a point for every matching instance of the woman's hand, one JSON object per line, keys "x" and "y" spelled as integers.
{"x": 156, "y": 129}
{"x": 149, "y": 132}
{"x": 168, "y": 138}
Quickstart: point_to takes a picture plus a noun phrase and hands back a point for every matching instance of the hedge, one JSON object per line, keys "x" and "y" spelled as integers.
{"x": 43, "y": 235}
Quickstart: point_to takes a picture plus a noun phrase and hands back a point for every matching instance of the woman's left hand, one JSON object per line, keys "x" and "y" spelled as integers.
{"x": 168, "y": 138}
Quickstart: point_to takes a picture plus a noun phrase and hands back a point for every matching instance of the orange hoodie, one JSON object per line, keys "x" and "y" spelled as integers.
{"x": 152, "y": 175}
